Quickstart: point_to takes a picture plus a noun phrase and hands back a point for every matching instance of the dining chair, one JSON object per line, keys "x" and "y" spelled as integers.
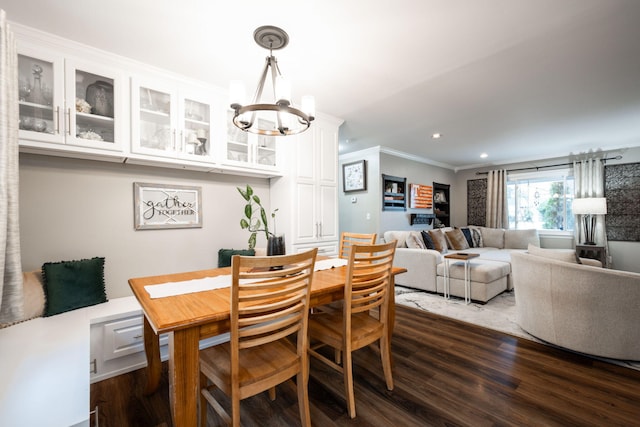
{"x": 366, "y": 293}
{"x": 347, "y": 239}
{"x": 269, "y": 306}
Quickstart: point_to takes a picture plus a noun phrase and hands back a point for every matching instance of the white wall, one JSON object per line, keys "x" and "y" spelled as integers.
{"x": 73, "y": 209}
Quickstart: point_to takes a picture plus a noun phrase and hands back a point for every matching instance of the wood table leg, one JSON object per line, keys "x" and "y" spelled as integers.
{"x": 152, "y": 351}
{"x": 184, "y": 367}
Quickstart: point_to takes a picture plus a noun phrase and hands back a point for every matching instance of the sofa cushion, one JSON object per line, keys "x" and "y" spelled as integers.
{"x": 428, "y": 241}
{"x": 492, "y": 237}
{"x": 415, "y": 240}
{"x": 520, "y": 239}
{"x": 566, "y": 255}
{"x": 73, "y": 284}
{"x": 456, "y": 240}
{"x": 399, "y": 236}
{"x": 225, "y": 255}
{"x": 439, "y": 241}
{"x": 481, "y": 271}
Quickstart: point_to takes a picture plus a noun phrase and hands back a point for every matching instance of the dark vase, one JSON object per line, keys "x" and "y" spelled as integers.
{"x": 100, "y": 97}
{"x": 276, "y": 245}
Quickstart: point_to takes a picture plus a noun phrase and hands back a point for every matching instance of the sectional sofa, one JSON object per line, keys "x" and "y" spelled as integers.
{"x": 581, "y": 308}
{"x": 490, "y": 272}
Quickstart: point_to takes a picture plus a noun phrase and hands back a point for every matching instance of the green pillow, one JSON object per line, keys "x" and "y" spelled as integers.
{"x": 73, "y": 284}
{"x": 224, "y": 255}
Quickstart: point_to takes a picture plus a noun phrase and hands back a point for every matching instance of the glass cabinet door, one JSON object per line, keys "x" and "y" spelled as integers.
{"x": 94, "y": 105}
{"x": 156, "y": 131}
{"x": 40, "y": 87}
{"x": 195, "y": 134}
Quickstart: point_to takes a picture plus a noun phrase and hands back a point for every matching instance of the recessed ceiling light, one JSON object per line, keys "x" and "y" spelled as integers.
{"x": 484, "y": 155}
{"x": 436, "y": 135}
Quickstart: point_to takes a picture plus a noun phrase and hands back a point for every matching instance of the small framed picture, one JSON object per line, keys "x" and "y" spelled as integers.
{"x": 354, "y": 176}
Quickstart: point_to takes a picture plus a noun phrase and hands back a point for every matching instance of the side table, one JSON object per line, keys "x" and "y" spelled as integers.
{"x": 460, "y": 256}
{"x": 593, "y": 252}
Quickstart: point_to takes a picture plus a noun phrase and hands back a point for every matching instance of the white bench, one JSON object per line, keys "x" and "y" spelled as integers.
{"x": 45, "y": 366}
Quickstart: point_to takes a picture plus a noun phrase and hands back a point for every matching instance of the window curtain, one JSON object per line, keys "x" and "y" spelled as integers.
{"x": 11, "y": 293}
{"x": 588, "y": 175}
{"x": 497, "y": 215}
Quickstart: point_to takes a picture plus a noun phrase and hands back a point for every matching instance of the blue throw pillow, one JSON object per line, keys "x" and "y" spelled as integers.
{"x": 467, "y": 235}
{"x": 428, "y": 241}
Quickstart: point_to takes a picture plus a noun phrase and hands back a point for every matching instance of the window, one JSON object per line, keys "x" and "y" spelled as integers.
{"x": 541, "y": 200}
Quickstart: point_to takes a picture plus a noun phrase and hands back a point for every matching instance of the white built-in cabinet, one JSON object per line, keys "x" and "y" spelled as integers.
{"x": 307, "y": 196}
{"x": 53, "y": 109}
{"x": 173, "y": 119}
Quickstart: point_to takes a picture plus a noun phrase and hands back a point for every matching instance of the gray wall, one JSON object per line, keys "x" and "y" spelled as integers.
{"x": 366, "y": 214}
{"x": 73, "y": 209}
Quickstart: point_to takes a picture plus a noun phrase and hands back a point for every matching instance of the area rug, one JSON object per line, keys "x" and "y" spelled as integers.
{"x": 498, "y": 314}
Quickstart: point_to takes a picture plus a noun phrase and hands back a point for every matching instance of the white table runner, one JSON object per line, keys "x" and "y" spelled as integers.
{"x": 210, "y": 283}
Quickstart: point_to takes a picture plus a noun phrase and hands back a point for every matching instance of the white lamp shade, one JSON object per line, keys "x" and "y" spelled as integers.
{"x": 590, "y": 206}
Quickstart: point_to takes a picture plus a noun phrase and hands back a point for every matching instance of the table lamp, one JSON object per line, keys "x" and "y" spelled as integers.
{"x": 589, "y": 207}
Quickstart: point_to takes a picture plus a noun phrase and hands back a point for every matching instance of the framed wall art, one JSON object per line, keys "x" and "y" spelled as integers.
{"x": 354, "y": 176}
{"x": 159, "y": 206}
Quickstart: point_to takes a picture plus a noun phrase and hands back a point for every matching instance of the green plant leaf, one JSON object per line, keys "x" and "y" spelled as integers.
{"x": 248, "y": 210}
{"x": 244, "y": 194}
{"x": 256, "y": 199}
{"x": 249, "y": 190}
{"x": 252, "y": 240}
{"x": 263, "y": 215}
{"x": 244, "y": 224}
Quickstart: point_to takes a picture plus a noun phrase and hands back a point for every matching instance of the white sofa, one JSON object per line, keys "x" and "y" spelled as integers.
{"x": 490, "y": 272}
{"x": 578, "y": 307}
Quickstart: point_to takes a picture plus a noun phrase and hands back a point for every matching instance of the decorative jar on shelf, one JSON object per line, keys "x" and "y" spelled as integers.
{"x": 100, "y": 96}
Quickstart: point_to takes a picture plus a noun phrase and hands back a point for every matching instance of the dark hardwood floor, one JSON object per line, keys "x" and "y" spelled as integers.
{"x": 446, "y": 373}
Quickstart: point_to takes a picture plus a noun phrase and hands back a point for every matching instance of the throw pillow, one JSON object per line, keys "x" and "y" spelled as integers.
{"x": 69, "y": 285}
{"x": 426, "y": 237}
{"x": 414, "y": 240}
{"x": 224, "y": 255}
{"x": 566, "y": 255}
{"x": 493, "y": 237}
{"x": 467, "y": 235}
{"x": 439, "y": 241}
{"x": 456, "y": 240}
{"x": 476, "y": 236}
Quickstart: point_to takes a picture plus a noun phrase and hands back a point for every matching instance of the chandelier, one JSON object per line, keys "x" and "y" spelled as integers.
{"x": 280, "y": 117}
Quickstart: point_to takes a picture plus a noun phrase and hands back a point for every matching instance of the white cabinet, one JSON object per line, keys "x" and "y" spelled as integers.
{"x": 307, "y": 197}
{"x": 246, "y": 149}
{"x": 69, "y": 102}
{"x": 174, "y": 120}
{"x": 117, "y": 347}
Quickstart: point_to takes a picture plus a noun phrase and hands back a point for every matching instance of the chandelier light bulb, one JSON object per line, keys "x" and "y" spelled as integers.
{"x": 237, "y": 93}
{"x": 309, "y": 105}
{"x": 283, "y": 91}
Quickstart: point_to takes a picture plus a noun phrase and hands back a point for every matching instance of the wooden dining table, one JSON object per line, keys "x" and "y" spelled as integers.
{"x": 189, "y": 318}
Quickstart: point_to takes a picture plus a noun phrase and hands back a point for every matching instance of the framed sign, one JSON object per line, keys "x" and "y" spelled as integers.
{"x": 166, "y": 206}
{"x": 354, "y": 176}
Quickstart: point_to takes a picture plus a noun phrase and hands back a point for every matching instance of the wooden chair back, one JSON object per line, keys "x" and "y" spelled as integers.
{"x": 347, "y": 239}
{"x": 268, "y": 302}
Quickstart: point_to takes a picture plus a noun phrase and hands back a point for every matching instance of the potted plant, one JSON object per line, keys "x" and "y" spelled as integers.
{"x": 255, "y": 221}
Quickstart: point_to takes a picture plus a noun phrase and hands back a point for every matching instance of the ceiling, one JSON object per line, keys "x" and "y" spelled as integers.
{"x": 515, "y": 79}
